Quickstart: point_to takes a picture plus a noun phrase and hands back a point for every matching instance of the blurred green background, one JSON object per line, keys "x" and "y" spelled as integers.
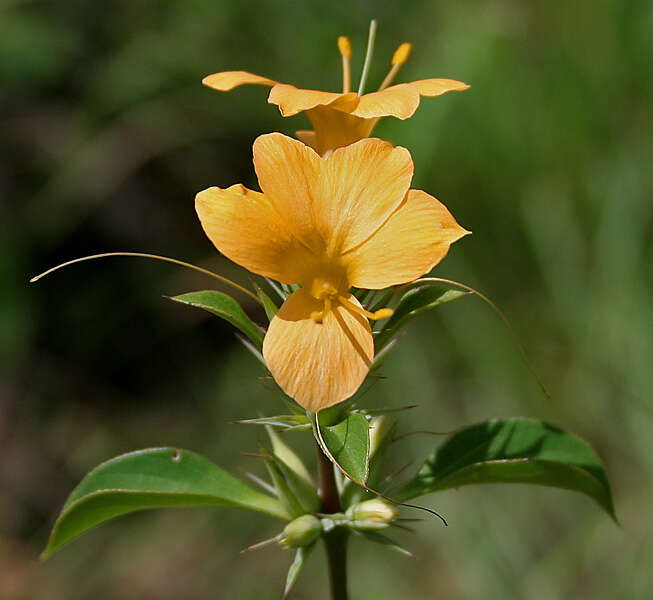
{"x": 107, "y": 134}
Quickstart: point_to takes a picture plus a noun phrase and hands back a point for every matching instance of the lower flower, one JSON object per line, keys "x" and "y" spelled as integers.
{"x": 329, "y": 224}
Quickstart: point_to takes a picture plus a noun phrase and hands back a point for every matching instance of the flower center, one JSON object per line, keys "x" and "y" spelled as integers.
{"x": 332, "y": 300}
{"x": 327, "y": 282}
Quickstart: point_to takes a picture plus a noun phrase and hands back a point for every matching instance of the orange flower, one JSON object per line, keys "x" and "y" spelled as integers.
{"x": 340, "y": 119}
{"x": 327, "y": 224}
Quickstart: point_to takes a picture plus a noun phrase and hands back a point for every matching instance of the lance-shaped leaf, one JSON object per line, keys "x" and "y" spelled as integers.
{"x": 295, "y": 493}
{"x": 412, "y": 303}
{"x": 349, "y": 444}
{"x": 379, "y": 538}
{"x": 284, "y": 422}
{"x": 285, "y": 453}
{"x": 225, "y": 307}
{"x": 269, "y": 306}
{"x": 152, "y": 478}
{"x": 513, "y": 451}
{"x": 296, "y": 567}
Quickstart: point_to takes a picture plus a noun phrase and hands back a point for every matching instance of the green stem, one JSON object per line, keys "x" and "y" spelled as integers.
{"x": 336, "y": 549}
{"x": 335, "y": 541}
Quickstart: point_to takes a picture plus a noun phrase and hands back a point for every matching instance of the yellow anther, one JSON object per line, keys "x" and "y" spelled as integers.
{"x": 344, "y": 46}
{"x": 317, "y": 316}
{"x": 345, "y": 50}
{"x": 398, "y": 58}
{"x": 383, "y": 313}
{"x": 401, "y": 54}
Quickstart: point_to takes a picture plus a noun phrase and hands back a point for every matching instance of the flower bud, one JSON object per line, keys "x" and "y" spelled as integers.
{"x": 303, "y": 531}
{"x": 371, "y": 514}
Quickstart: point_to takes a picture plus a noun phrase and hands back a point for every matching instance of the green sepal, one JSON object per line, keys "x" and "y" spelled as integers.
{"x": 415, "y": 301}
{"x": 348, "y": 442}
{"x": 152, "y": 478}
{"x": 513, "y": 451}
{"x": 225, "y": 307}
{"x": 269, "y": 305}
{"x": 295, "y": 568}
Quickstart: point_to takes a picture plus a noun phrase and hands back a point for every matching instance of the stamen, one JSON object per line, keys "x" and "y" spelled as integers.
{"x": 368, "y": 56}
{"x": 398, "y": 59}
{"x": 382, "y": 313}
{"x": 401, "y": 54}
{"x": 345, "y": 50}
{"x": 318, "y": 315}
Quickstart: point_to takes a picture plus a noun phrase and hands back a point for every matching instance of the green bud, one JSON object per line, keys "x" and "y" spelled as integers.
{"x": 371, "y": 514}
{"x": 303, "y": 531}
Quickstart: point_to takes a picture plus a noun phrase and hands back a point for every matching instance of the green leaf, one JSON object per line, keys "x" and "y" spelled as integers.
{"x": 152, "y": 478}
{"x": 291, "y": 478}
{"x": 513, "y": 451}
{"x": 380, "y": 433}
{"x": 349, "y": 443}
{"x": 286, "y": 495}
{"x": 225, "y": 307}
{"x": 270, "y": 307}
{"x": 412, "y": 303}
{"x": 295, "y": 568}
{"x": 285, "y": 453}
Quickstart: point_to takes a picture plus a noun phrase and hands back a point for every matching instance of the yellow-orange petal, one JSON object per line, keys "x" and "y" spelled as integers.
{"x": 228, "y": 80}
{"x": 308, "y": 137}
{"x": 243, "y": 225}
{"x": 400, "y": 101}
{"x": 414, "y": 239}
{"x": 334, "y": 128}
{"x": 437, "y": 87}
{"x": 318, "y": 364}
{"x": 359, "y": 187}
{"x": 292, "y": 100}
{"x": 287, "y": 172}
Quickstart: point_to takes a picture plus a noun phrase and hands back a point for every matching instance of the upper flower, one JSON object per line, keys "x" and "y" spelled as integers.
{"x": 327, "y": 224}
{"x": 340, "y": 119}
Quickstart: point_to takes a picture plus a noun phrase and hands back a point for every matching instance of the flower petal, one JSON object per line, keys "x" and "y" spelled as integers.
{"x": 437, "y": 87}
{"x": 243, "y": 225}
{"x": 287, "y": 172}
{"x": 335, "y": 128}
{"x": 413, "y": 240}
{"x": 399, "y": 101}
{"x": 307, "y": 136}
{"x": 228, "y": 80}
{"x": 292, "y": 100}
{"x": 318, "y": 364}
{"x": 360, "y": 186}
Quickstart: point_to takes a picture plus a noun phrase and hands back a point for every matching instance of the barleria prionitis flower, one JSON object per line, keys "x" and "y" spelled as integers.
{"x": 328, "y": 224}
{"x": 335, "y": 223}
{"x": 340, "y": 119}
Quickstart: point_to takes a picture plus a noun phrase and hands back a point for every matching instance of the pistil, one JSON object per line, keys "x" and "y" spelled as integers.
{"x": 368, "y": 57}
